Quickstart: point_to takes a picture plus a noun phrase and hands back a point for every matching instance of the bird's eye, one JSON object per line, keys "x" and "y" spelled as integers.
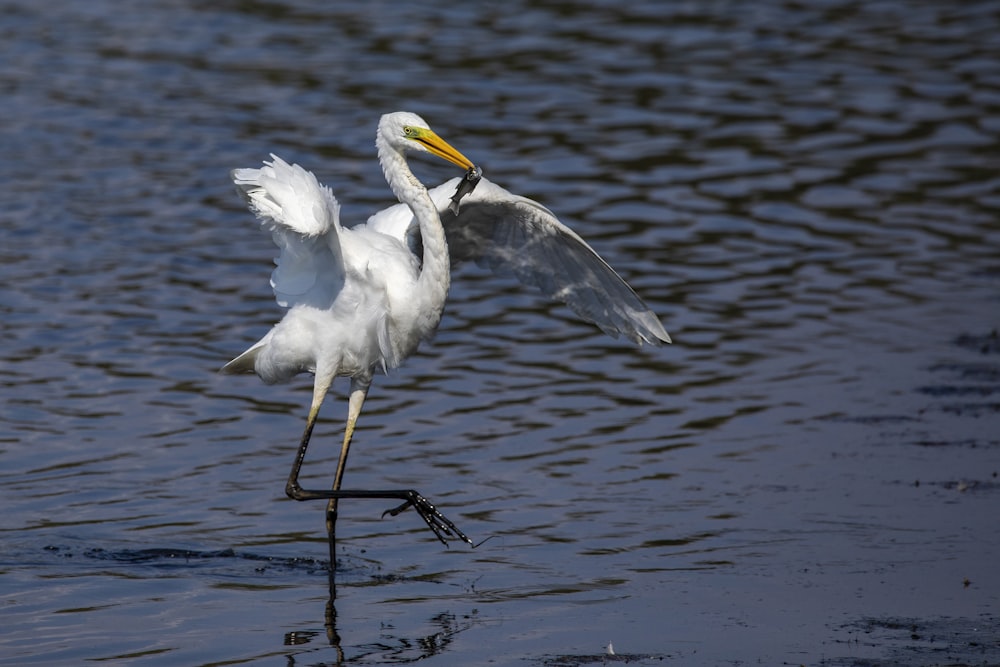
{"x": 408, "y": 131}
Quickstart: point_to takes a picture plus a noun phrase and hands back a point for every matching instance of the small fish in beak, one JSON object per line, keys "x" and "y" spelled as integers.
{"x": 468, "y": 184}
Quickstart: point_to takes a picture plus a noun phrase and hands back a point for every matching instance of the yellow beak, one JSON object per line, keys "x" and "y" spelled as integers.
{"x": 438, "y": 146}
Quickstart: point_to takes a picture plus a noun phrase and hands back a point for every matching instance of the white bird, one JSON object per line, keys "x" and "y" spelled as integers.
{"x": 361, "y": 299}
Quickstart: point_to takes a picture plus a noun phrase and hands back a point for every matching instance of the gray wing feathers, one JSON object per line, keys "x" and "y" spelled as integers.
{"x": 513, "y": 234}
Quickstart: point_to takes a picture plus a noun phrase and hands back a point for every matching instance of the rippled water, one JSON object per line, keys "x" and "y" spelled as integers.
{"x": 808, "y": 194}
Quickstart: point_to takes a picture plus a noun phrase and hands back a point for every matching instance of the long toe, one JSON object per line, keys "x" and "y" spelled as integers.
{"x": 442, "y": 526}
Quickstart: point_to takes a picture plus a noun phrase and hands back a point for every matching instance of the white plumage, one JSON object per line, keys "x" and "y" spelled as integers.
{"x": 361, "y": 299}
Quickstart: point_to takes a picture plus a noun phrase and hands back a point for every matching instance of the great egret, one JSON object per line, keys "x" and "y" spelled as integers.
{"x": 361, "y": 299}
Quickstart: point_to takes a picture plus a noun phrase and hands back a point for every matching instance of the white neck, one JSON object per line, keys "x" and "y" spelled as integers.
{"x": 435, "y": 275}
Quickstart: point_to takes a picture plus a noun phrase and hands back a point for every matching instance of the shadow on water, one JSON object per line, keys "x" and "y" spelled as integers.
{"x": 900, "y": 641}
{"x": 256, "y": 570}
{"x": 252, "y": 572}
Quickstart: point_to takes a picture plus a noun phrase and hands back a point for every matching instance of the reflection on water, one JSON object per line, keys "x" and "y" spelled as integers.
{"x": 806, "y": 193}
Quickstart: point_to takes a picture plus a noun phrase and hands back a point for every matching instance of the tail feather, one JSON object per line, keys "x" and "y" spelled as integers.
{"x": 245, "y": 363}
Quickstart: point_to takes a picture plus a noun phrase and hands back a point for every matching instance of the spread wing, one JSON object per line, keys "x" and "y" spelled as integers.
{"x": 303, "y": 217}
{"x": 512, "y": 234}
{"x": 304, "y": 220}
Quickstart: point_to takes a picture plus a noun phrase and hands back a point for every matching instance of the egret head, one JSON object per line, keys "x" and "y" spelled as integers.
{"x": 408, "y": 132}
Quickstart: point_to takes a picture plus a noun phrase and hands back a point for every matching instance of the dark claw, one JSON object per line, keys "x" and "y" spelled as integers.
{"x": 440, "y": 525}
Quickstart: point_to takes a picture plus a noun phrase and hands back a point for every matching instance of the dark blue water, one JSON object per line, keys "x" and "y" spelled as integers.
{"x": 807, "y": 194}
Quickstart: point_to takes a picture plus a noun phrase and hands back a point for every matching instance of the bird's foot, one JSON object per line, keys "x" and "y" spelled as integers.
{"x": 440, "y": 525}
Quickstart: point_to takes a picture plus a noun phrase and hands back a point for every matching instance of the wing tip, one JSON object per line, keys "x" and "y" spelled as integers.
{"x": 647, "y": 328}
{"x": 655, "y": 340}
{"x": 663, "y": 337}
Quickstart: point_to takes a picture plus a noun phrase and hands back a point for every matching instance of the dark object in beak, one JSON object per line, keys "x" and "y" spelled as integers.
{"x": 466, "y": 187}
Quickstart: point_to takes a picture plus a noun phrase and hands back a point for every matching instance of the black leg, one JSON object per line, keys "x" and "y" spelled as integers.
{"x": 440, "y": 525}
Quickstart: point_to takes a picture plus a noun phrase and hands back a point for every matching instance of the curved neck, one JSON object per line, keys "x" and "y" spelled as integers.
{"x": 435, "y": 275}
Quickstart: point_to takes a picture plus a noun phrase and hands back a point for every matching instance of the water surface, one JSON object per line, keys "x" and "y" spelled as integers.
{"x": 808, "y": 195}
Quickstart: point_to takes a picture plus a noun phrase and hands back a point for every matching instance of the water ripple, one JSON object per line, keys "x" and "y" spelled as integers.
{"x": 806, "y": 193}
